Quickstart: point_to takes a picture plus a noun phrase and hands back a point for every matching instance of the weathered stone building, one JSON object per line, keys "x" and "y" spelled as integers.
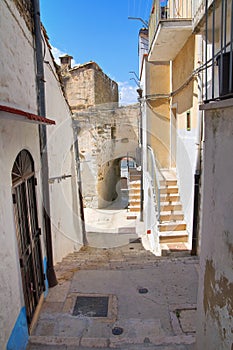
{"x": 106, "y": 135}
{"x": 106, "y": 132}
{"x": 86, "y": 85}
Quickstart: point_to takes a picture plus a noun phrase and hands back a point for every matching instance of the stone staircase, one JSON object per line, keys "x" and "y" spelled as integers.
{"x": 172, "y": 227}
{"x": 134, "y": 190}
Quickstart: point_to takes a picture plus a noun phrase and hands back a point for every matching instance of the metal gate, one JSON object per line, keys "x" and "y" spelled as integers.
{"x": 27, "y": 231}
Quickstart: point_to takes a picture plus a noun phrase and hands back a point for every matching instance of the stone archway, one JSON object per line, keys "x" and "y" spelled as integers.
{"x": 113, "y": 182}
{"x": 108, "y": 183}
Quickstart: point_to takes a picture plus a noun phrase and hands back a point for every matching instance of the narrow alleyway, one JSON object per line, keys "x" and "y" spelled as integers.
{"x": 121, "y": 297}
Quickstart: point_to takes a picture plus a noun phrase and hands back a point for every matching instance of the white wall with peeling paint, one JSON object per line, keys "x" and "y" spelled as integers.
{"x": 18, "y": 90}
{"x": 215, "y": 297}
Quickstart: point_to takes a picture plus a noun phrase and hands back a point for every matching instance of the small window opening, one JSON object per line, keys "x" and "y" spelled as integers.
{"x": 188, "y": 121}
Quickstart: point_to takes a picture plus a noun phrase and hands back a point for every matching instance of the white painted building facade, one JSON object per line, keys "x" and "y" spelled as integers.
{"x": 20, "y": 152}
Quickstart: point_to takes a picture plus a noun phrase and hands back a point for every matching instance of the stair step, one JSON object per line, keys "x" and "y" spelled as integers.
{"x": 170, "y": 198}
{"x": 171, "y": 207}
{"x": 135, "y": 184}
{"x": 134, "y": 196}
{"x": 168, "y": 182}
{"x": 135, "y": 177}
{"x": 169, "y": 189}
{"x": 135, "y": 191}
{"x": 173, "y": 237}
{"x": 134, "y": 208}
{"x": 175, "y": 249}
{"x": 134, "y": 203}
{"x": 134, "y": 171}
{"x": 134, "y": 188}
{"x": 177, "y": 226}
{"x": 164, "y": 216}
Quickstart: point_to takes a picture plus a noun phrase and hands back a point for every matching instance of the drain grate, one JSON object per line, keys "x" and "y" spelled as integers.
{"x": 117, "y": 331}
{"x": 142, "y": 290}
{"x": 91, "y": 306}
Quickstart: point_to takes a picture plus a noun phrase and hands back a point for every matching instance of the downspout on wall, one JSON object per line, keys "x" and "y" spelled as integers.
{"x": 197, "y": 175}
{"x": 52, "y": 281}
{"x": 78, "y": 170}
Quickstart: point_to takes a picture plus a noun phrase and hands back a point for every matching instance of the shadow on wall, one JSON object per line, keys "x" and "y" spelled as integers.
{"x": 108, "y": 178}
{"x": 113, "y": 183}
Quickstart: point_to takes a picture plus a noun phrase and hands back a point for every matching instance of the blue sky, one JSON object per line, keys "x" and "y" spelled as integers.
{"x": 100, "y": 31}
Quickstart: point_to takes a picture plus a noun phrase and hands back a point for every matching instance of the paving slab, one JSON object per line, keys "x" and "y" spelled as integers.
{"x": 153, "y": 304}
{"x": 151, "y": 300}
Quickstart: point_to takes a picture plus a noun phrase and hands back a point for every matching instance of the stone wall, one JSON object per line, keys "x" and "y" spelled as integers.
{"x": 106, "y": 90}
{"x": 106, "y": 134}
{"x": 87, "y": 85}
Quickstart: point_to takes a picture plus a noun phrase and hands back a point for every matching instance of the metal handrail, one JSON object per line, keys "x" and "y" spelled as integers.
{"x": 156, "y": 176}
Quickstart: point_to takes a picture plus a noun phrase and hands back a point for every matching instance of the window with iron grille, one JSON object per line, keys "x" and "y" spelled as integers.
{"x": 218, "y": 55}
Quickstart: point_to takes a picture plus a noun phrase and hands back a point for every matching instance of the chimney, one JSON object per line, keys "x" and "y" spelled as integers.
{"x": 65, "y": 62}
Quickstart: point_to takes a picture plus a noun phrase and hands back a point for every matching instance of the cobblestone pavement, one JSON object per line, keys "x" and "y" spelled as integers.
{"x": 151, "y": 302}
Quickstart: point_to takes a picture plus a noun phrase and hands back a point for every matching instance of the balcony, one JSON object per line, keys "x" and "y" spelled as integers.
{"x": 169, "y": 28}
{"x": 199, "y": 8}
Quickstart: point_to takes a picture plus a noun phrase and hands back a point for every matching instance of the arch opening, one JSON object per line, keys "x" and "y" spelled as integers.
{"x": 113, "y": 183}
{"x": 27, "y": 231}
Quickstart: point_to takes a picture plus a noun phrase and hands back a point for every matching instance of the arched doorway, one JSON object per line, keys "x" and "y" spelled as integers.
{"x": 27, "y": 231}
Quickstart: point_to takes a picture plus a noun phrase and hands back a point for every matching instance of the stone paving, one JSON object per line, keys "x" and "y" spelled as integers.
{"x": 151, "y": 300}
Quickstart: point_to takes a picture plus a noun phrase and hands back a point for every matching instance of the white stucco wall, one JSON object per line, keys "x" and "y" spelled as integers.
{"x": 215, "y": 295}
{"x": 17, "y": 77}
{"x": 150, "y": 241}
{"x": 15, "y": 136}
{"x": 64, "y": 200}
{"x": 186, "y": 153}
{"x": 17, "y": 89}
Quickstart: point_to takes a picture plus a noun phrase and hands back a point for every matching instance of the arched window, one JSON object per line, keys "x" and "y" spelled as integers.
{"x": 27, "y": 231}
{"x": 23, "y": 167}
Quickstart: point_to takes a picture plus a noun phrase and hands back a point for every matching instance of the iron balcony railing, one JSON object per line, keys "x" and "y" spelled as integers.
{"x": 163, "y": 10}
{"x": 216, "y": 25}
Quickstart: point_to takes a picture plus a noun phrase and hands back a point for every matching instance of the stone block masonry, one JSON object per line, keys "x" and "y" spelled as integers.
{"x": 106, "y": 135}
{"x": 106, "y": 132}
{"x": 86, "y": 85}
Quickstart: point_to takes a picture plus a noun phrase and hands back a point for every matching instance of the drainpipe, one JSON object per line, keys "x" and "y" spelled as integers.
{"x": 52, "y": 281}
{"x": 78, "y": 169}
{"x": 197, "y": 175}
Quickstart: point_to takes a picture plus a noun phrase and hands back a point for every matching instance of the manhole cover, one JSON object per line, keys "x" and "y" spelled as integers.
{"x": 117, "y": 331}
{"x": 142, "y": 290}
{"x": 91, "y": 306}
